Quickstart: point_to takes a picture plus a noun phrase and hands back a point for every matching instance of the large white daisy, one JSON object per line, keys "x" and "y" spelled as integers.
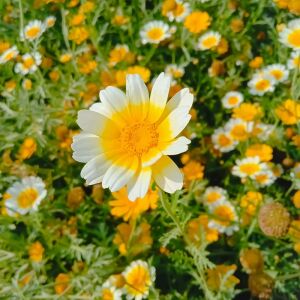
{"x": 126, "y": 139}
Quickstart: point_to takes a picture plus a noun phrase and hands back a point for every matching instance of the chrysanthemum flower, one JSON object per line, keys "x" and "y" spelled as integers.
{"x": 197, "y": 21}
{"x": 214, "y": 195}
{"x": 265, "y": 178}
{"x": 290, "y": 36}
{"x": 263, "y": 151}
{"x": 110, "y": 292}
{"x": 247, "y": 112}
{"x": 8, "y": 55}
{"x": 262, "y": 130}
{"x": 175, "y": 10}
{"x": 289, "y": 112}
{"x": 50, "y": 21}
{"x": 209, "y": 40}
{"x": 120, "y": 53}
{"x": 126, "y": 139}
{"x": 174, "y": 71}
{"x": 36, "y": 251}
{"x": 29, "y": 64}
{"x": 248, "y": 167}
{"x": 238, "y": 129}
{"x": 251, "y": 201}
{"x": 25, "y": 196}
{"x": 232, "y": 99}
{"x": 223, "y": 141}
{"x": 224, "y": 218}
{"x": 294, "y": 61}
{"x": 278, "y": 72}
{"x": 139, "y": 277}
{"x": 123, "y": 207}
{"x": 154, "y": 32}
{"x": 261, "y": 83}
{"x": 33, "y": 30}
{"x": 252, "y": 260}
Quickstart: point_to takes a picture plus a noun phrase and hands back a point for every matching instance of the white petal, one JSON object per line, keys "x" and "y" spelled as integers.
{"x": 137, "y": 95}
{"x": 167, "y": 175}
{"x": 138, "y": 186}
{"x": 159, "y": 97}
{"x": 177, "y": 146}
{"x": 174, "y": 123}
{"x": 119, "y": 173}
{"x": 85, "y": 146}
{"x": 151, "y": 157}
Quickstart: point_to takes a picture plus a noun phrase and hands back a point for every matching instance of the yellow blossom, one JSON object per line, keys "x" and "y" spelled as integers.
{"x": 296, "y": 199}
{"x": 61, "y": 283}
{"x": 197, "y": 21}
{"x": 75, "y": 197}
{"x": 256, "y": 62}
{"x": 27, "y": 148}
{"x": 78, "y": 34}
{"x": 36, "y": 251}
{"x": 263, "y": 151}
{"x": 289, "y": 112}
{"x": 247, "y": 112}
{"x": 193, "y": 170}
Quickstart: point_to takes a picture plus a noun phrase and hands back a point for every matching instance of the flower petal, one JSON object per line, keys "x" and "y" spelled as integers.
{"x": 120, "y": 172}
{"x": 167, "y": 175}
{"x": 173, "y": 124}
{"x": 138, "y": 186}
{"x": 152, "y": 156}
{"x": 158, "y": 97}
{"x": 175, "y": 147}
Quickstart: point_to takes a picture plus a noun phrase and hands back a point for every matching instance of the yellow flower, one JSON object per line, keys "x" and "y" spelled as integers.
{"x": 256, "y": 62}
{"x": 86, "y": 7}
{"x": 78, "y": 35}
{"x": 27, "y": 84}
{"x": 296, "y": 199}
{"x": 120, "y": 20}
{"x": 27, "y": 148}
{"x": 131, "y": 242}
{"x": 64, "y": 58}
{"x": 64, "y": 136}
{"x": 75, "y": 197}
{"x": 195, "y": 228}
{"x": 139, "y": 277}
{"x": 54, "y": 75}
{"x": 25, "y": 280}
{"x": 119, "y": 54}
{"x": 193, "y": 170}
{"x": 252, "y": 260}
{"x": 223, "y": 46}
{"x": 296, "y": 140}
{"x": 10, "y": 85}
{"x": 217, "y": 68}
{"x": 36, "y": 251}
{"x": 142, "y": 71}
{"x": 86, "y": 64}
{"x": 61, "y": 283}
{"x": 263, "y": 151}
{"x": 4, "y": 46}
{"x": 251, "y": 201}
{"x": 247, "y": 112}
{"x": 76, "y": 20}
{"x": 289, "y": 112}
{"x": 128, "y": 210}
{"x": 197, "y": 21}
{"x": 236, "y": 25}
{"x": 222, "y": 274}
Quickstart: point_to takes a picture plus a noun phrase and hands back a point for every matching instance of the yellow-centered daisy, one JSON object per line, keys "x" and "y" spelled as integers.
{"x": 154, "y": 32}
{"x": 33, "y": 30}
{"x": 209, "y": 40}
{"x": 126, "y": 139}
{"x": 290, "y": 35}
{"x": 8, "y": 55}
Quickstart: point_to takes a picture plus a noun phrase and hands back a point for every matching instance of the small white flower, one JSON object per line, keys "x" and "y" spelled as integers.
{"x": 265, "y": 178}
{"x": 263, "y": 131}
{"x": 223, "y": 141}
{"x": 261, "y": 83}
{"x": 29, "y": 64}
{"x": 25, "y": 196}
{"x": 232, "y": 99}
{"x": 50, "y": 22}
{"x": 154, "y": 32}
{"x": 209, "y": 40}
{"x": 278, "y": 72}
{"x": 238, "y": 129}
{"x": 8, "y": 55}
{"x": 214, "y": 195}
{"x": 108, "y": 291}
{"x": 290, "y": 36}
{"x": 248, "y": 167}
{"x": 174, "y": 71}
{"x": 179, "y": 12}
{"x": 33, "y": 30}
{"x": 294, "y": 61}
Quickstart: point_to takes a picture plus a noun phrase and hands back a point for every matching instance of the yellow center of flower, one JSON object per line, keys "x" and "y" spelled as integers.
{"x": 9, "y": 55}
{"x": 250, "y": 168}
{"x": 262, "y": 85}
{"x": 261, "y": 178}
{"x": 294, "y": 38}
{"x": 155, "y": 34}
{"x": 179, "y": 10}
{"x": 139, "y": 138}
{"x": 28, "y": 62}
{"x": 233, "y": 100}
{"x": 239, "y": 132}
{"x": 297, "y": 62}
{"x": 277, "y": 74}
{"x": 138, "y": 280}
{"x": 223, "y": 140}
{"x": 33, "y": 32}
{"x": 213, "y": 197}
{"x": 209, "y": 42}
{"x": 27, "y": 198}
{"x": 107, "y": 294}
{"x": 224, "y": 215}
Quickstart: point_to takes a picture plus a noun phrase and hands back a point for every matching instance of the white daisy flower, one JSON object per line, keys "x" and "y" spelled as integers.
{"x": 223, "y": 141}
{"x": 179, "y": 11}
{"x": 294, "y": 61}
{"x": 29, "y": 64}
{"x": 265, "y": 178}
{"x": 8, "y": 55}
{"x": 261, "y": 83}
{"x": 263, "y": 131}
{"x": 25, "y": 196}
{"x": 33, "y": 30}
{"x": 278, "y": 72}
{"x": 110, "y": 292}
{"x": 139, "y": 278}
{"x": 238, "y": 129}
{"x": 248, "y": 167}
{"x": 50, "y": 22}
{"x": 126, "y": 139}
{"x": 209, "y": 40}
{"x": 290, "y": 36}
{"x": 214, "y": 195}
{"x": 232, "y": 99}
{"x": 224, "y": 218}
{"x": 154, "y": 32}
{"x": 174, "y": 71}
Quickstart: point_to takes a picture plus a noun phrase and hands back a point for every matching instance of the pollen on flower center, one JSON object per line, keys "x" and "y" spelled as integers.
{"x": 27, "y": 197}
{"x": 33, "y": 32}
{"x": 155, "y": 33}
{"x": 294, "y": 38}
{"x": 139, "y": 138}
{"x": 262, "y": 85}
